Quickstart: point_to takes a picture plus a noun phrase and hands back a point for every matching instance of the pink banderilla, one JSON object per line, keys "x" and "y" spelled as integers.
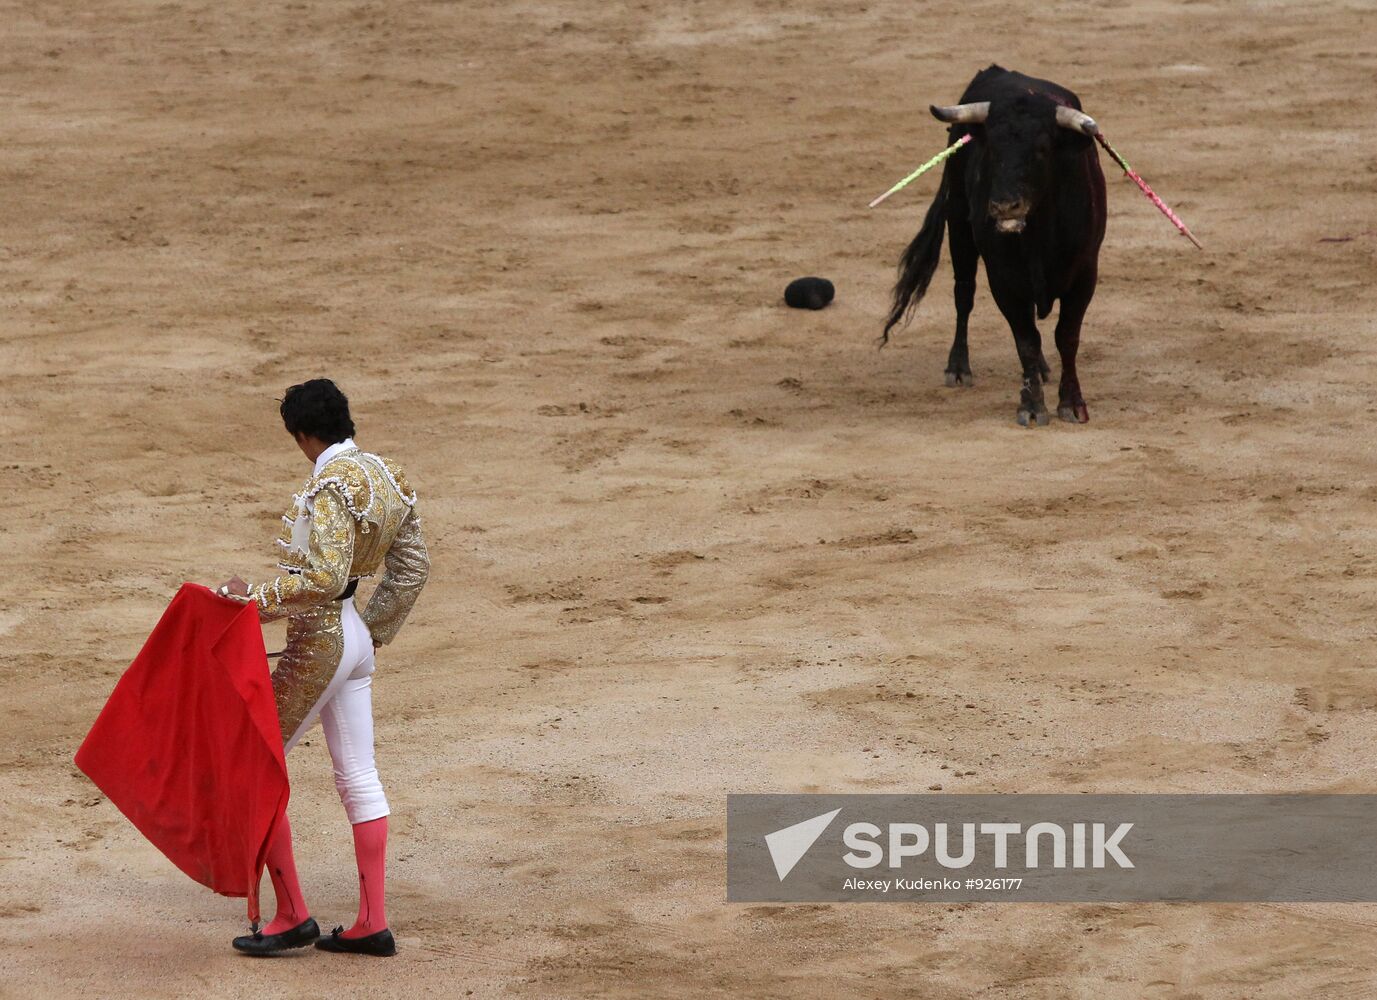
{"x": 1151, "y": 194}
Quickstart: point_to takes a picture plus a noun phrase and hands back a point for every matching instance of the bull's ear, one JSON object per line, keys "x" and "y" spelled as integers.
{"x": 962, "y": 114}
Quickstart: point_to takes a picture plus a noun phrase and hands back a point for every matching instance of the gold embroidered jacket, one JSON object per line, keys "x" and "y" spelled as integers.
{"x": 357, "y": 514}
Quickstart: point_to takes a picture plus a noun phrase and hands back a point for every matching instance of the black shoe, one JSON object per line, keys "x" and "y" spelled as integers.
{"x": 259, "y": 943}
{"x": 381, "y": 944}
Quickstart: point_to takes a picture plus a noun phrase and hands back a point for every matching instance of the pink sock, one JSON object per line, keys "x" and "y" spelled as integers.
{"x": 291, "y": 907}
{"x": 370, "y": 849}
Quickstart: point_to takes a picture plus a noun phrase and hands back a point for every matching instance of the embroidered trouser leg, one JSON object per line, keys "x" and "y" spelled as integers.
{"x": 309, "y": 665}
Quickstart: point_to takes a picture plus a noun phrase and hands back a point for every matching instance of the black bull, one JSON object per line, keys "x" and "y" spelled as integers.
{"x": 1027, "y": 196}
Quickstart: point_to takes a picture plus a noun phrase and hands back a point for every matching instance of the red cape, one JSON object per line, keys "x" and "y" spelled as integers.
{"x": 188, "y": 745}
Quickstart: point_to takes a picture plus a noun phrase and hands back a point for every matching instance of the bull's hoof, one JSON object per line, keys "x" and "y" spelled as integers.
{"x": 1078, "y": 413}
{"x": 963, "y": 379}
{"x": 1032, "y": 411}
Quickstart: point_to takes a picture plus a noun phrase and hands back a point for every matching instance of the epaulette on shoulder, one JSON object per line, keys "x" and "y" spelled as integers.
{"x": 349, "y": 480}
{"x": 398, "y": 479}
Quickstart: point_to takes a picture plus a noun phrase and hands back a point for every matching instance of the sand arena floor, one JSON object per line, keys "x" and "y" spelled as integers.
{"x": 687, "y": 541}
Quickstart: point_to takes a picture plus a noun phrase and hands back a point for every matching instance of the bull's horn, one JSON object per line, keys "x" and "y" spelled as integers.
{"x": 962, "y": 114}
{"x": 1078, "y": 121}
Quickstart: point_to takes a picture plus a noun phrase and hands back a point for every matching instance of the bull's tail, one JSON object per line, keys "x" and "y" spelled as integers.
{"x": 918, "y": 263}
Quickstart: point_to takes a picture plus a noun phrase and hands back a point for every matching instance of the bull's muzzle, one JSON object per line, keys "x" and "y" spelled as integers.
{"x": 1009, "y": 216}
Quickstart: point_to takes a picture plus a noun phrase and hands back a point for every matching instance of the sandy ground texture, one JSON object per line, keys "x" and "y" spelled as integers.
{"x": 687, "y": 541}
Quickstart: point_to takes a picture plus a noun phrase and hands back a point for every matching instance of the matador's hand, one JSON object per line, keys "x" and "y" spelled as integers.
{"x": 234, "y": 587}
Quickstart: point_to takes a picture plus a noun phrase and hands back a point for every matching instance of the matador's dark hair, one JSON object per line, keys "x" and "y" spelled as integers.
{"x": 317, "y": 408}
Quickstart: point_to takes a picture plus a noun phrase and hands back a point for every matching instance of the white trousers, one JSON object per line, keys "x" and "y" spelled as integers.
{"x": 345, "y": 710}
